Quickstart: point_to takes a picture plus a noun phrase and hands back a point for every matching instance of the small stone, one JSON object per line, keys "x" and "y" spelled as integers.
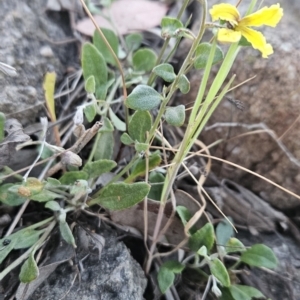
{"x": 46, "y": 51}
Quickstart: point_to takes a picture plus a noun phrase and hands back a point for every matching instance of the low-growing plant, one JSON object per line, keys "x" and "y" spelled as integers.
{"x": 136, "y": 120}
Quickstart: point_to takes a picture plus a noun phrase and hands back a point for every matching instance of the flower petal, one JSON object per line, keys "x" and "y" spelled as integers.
{"x": 226, "y": 12}
{"x": 228, "y": 36}
{"x": 266, "y": 16}
{"x": 257, "y": 40}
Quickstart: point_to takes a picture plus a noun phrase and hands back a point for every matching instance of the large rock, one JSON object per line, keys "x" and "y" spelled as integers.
{"x": 26, "y": 35}
{"x": 272, "y": 98}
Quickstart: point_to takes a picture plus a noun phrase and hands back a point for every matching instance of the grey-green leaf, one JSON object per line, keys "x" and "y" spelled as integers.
{"x": 133, "y": 41}
{"x": 259, "y": 255}
{"x": 144, "y": 60}
{"x": 120, "y": 195}
{"x": 175, "y": 116}
{"x": 126, "y": 139}
{"x": 139, "y": 167}
{"x": 105, "y": 146}
{"x": 174, "y": 266}
{"x": 202, "y": 237}
{"x": 143, "y": 97}
{"x": 183, "y": 84}
{"x": 66, "y": 233}
{"x": 244, "y": 292}
{"x": 224, "y": 232}
{"x": 139, "y": 124}
{"x": 156, "y": 180}
{"x": 8, "y": 197}
{"x": 202, "y": 54}
{"x": 103, "y": 49}
{"x": 90, "y": 84}
{"x": 90, "y": 112}
{"x": 169, "y": 27}
{"x": 234, "y": 245}
{"x": 218, "y": 269}
{"x": 29, "y": 270}
{"x": 52, "y": 205}
{"x": 71, "y": 177}
{"x": 119, "y": 124}
{"x": 165, "y": 71}
{"x": 165, "y": 279}
{"x": 45, "y": 196}
{"x": 184, "y": 214}
{"x": 99, "y": 167}
{"x": 93, "y": 64}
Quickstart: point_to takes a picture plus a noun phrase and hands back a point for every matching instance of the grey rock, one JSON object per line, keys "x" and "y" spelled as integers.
{"x": 115, "y": 276}
{"x": 27, "y": 29}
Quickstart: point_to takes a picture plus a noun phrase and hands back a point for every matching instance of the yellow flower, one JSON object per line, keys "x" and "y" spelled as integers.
{"x": 238, "y": 27}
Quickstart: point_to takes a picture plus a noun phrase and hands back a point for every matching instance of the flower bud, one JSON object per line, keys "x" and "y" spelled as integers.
{"x": 71, "y": 158}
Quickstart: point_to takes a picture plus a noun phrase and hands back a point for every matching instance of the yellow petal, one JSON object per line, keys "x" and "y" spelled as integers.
{"x": 257, "y": 40}
{"x": 228, "y": 36}
{"x": 226, "y": 12}
{"x": 266, "y": 16}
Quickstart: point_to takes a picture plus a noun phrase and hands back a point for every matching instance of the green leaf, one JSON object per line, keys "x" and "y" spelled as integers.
{"x": 71, "y": 177}
{"x": 169, "y": 27}
{"x": 52, "y": 205}
{"x": 2, "y": 124}
{"x": 202, "y": 54}
{"x": 107, "y": 126}
{"x": 105, "y": 146}
{"x": 139, "y": 124}
{"x": 93, "y": 64}
{"x": 234, "y": 245}
{"x": 90, "y": 84}
{"x": 29, "y": 270}
{"x": 141, "y": 147}
{"x": 143, "y": 97}
{"x": 183, "y": 84}
{"x": 202, "y": 237}
{"x": 7, "y": 245}
{"x": 184, "y": 214}
{"x": 175, "y": 116}
{"x": 120, "y": 195}
{"x": 126, "y": 139}
{"x": 156, "y": 180}
{"x": 23, "y": 238}
{"x": 259, "y": 256}
{"x": 244, "y": 292}
{"x": 165, "y": 71}
{"x": 224, "y": 232}
{"x": 8, "y": 197}
{"x": 165, "y": 279}
{"x": 218, "y": 269}
{"x": 101, "y": 46}
{"x": 119, "y": 124}
{"x": 133, "y": 41}
{"x": 90, "y": 112}
{"x": 79, "y": 188}
{"x": 244, "y": 43}
{"x": 174, "y": 266}
{"x": 99, "y": 167}
{"x": 52, "y": 182}
{"x": 66, "y": 233}
{"x": 45, "y": 196}
{"x": 28, "y": 238}
{"x": 139, "y": 167}
{"x": 144, "y": 60}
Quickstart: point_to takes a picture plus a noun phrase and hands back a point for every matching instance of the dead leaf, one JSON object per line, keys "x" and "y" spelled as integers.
{"x": 127, "y": 16}
{"x": 134, "y": 217}
{"x": 15, "y": 135}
